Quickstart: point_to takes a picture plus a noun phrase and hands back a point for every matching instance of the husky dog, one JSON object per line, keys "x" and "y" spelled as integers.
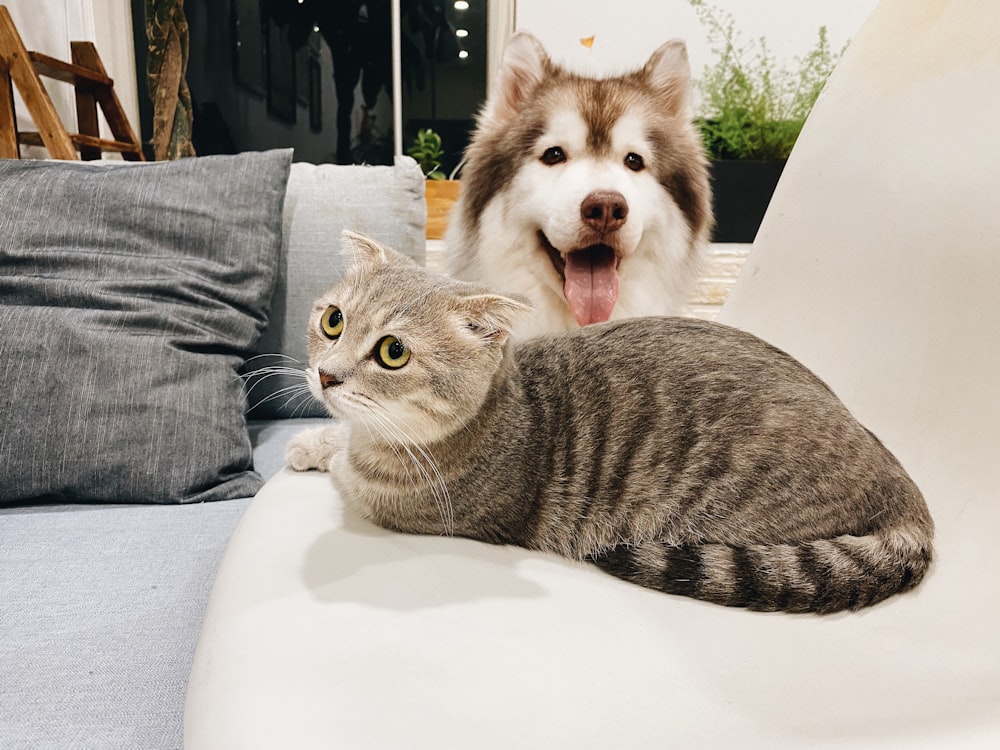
{"x": 588, "y": 196}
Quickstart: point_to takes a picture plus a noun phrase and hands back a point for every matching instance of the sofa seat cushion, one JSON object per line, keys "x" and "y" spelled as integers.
{"x": 130, "y": 295}
{"x": 323, "y": 630}
{"x": 102, "y": 605}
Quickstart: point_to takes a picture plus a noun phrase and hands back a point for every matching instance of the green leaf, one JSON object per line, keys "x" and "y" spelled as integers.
{"x": 751, "y": 108}
{"x": 427, "y": 150}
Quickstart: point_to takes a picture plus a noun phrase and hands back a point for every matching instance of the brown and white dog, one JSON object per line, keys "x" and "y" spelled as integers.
{"x": 590, "y": 197}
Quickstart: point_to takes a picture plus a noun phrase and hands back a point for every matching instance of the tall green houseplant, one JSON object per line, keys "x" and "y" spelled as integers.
{"x": 752, "y": 108}
{"x": 751, "y": 112}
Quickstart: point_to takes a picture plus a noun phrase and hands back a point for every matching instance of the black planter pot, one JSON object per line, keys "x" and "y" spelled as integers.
{"x": 741, "y": 191}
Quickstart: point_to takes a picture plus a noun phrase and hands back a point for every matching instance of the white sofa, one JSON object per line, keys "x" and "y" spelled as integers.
{"x": 877, "y": 265}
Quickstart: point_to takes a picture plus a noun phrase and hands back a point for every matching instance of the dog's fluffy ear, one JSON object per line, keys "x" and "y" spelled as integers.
{"x": 669, "y": 72}
{"x": 525, "y": 64}
{"x": 366, "y": 252}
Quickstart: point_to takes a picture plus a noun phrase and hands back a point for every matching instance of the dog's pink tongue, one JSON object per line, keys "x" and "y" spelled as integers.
{"x": 591, "y": 285}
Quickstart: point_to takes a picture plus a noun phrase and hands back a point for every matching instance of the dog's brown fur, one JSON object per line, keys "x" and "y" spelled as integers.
{"x": 500, "y": 230}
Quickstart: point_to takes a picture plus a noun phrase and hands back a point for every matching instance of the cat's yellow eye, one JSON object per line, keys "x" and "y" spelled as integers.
{"x": 332, "y": 322}
{"x": 390, "y": 352}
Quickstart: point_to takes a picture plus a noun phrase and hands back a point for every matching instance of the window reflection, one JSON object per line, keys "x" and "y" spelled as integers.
{"x": 316, "y": 75}
{"x": 444, "y": 70}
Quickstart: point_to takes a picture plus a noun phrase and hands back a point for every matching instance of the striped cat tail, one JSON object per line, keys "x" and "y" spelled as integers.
{"x": 821, "y": 576}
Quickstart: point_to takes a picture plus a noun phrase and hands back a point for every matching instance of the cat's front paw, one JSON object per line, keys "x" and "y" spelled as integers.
{"x": 314, "y": 448}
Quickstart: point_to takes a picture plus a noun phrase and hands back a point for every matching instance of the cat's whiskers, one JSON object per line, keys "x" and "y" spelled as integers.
{"x": 367, "y": 412}
{"x": 397, "y": 435}
{"x": 387, "y": 438}
{"x": 274, "y": 356}
{"x": 253, "y": 379}
{"x": 305, "y": 399}
{"x": 385, "y": 431}
{"x": 291, "y": 391}
{"x": 371, "y": 437}
{"x": 296, "y": 391}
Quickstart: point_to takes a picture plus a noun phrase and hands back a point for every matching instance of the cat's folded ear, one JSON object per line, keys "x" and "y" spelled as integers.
{"x": 492, "y": 316}
{"x": 364, "y": 251}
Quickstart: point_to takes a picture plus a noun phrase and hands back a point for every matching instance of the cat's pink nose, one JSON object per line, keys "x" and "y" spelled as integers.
{"x": 327, "y": 380}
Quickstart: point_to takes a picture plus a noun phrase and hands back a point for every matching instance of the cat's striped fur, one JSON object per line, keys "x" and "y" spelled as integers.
{"x": 682, "y": 455}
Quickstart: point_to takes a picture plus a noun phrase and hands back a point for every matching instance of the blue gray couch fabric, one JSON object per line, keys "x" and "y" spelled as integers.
{"x": 101, "y": 603}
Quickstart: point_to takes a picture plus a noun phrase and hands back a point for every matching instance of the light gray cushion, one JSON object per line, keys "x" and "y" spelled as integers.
{"x": 385, "y": 203}
{"x": 101, "y": 610}
{"x": 129, "y": 297}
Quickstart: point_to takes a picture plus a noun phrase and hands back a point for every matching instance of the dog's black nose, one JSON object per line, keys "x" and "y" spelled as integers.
{"x": 604, "y": 210}
{"x": 326, "y": 380}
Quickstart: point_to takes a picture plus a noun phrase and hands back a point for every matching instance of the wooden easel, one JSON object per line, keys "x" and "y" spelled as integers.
{"x": 24, "y": 69}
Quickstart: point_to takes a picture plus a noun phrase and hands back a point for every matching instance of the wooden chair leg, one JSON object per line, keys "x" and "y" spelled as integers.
{"x": 85, "y": 54}
{"x": 87, "y": 122}
{"x": 93, "y": 88}
{"x": 8, "y": 122}
{"x": 53, "y": 134}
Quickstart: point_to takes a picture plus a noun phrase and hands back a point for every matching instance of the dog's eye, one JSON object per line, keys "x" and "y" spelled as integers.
{"x": 553, "y": 155}
{"x": 332, "y": 322}
{"x": 634, "y": 162}
{"x": 391, "y": 353}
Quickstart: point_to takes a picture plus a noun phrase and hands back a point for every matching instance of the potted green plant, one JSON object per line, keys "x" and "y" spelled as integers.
{"x": 440, "y": 192}
{"x": 428, "y": 151}
{"x": 751, "y": 113}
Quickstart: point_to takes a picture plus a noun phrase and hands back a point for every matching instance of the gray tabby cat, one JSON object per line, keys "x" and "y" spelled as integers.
{"x": 681, "y": 455}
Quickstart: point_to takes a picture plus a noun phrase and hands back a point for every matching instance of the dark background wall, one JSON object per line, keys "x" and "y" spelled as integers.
{"x": 316, "y": 75}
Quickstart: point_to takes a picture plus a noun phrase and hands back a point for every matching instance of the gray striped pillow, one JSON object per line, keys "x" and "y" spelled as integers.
{"x": 130, "y": 295}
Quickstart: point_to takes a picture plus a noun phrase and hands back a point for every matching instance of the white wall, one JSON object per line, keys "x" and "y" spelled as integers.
{"x": 50, "y": 25}
{"x": 627, "y": 31}
{"x": 113, "y": 37}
